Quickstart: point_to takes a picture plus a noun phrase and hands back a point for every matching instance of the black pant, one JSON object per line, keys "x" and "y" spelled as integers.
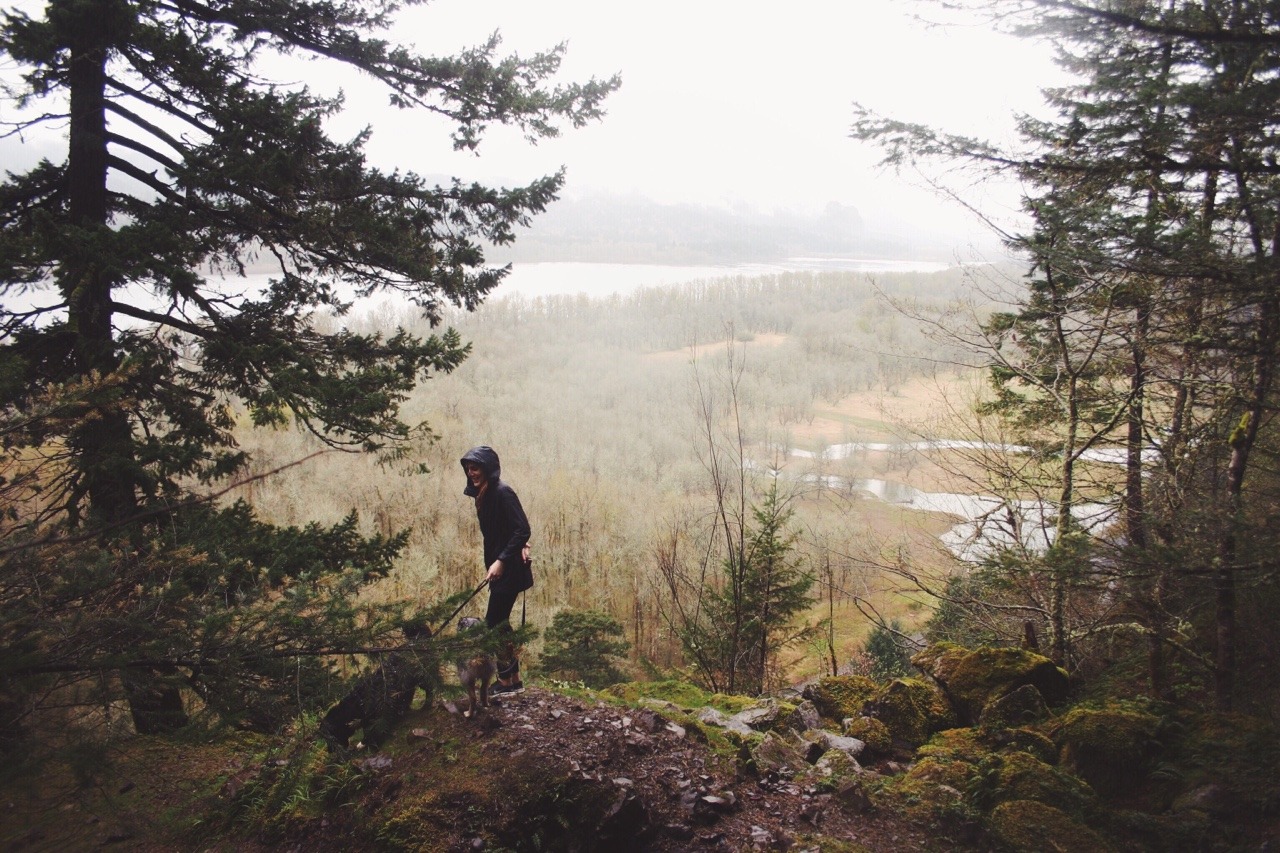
{"x": 499, "y": 616}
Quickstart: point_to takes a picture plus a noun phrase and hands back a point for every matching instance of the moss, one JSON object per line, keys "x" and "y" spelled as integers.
{"x": 838, "y": 697}
{"x": 1026, "y": 740}
{"x": 1022, "y": 776}
{"x": 1112, "y": 748}
{"x": 680, "y": 693}
{"x": 931, "y": 794}
{"x": 912, "y": 710}
{"x": 677, "y": 692}
{"x": 1029, "y": 826}
{"x": 972, "y": 678}
{"x": 1239, "y": 752}
{"x": 873, "y": 733}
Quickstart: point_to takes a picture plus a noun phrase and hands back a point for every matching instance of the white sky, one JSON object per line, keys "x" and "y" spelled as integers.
{"x": 739, "y": 103}
{"x": 736, "y": 103}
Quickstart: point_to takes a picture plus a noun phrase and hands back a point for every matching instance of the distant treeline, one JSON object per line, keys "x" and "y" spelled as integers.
{"x": 633, "y": 229}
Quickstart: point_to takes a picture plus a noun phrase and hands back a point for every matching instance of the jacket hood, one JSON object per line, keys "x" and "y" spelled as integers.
{"x": 487, "y": 459}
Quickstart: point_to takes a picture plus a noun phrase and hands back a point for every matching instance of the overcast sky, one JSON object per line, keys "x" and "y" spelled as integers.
{"x": 742, "y": 103}
{"x": 726, "y": 103}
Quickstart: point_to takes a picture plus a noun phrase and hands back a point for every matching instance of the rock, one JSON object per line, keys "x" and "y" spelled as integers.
{"x": 911, "y": 710}
{"x": 838, "y": 696}
{"x": 836, "y": 764}
{"x": 650, "y": 721}
{"x": 813, "y": 751}
{"x": 712, "y": 717}
{"x": 772, "y": 715}
{"x": 1111, "y": 748}
{"x": 1023, "y": 706}
{"x": 724, "y": 803}
{"x": 1022, "y": 776}
{"x": 676, "y": 730}
{"x": 374, "y": 764}
{"x": 1208, "y": 798}
{"x": 1027, "y": 825}
{"x": 851, "y": 746}
{"x": 808, "y": 715}
{"x": 852, "y": 795}
{"x": 774, "y": 754}
{"x": 625, "y": 823}
{"x": 872, "y": 732}
{"x": 761, "y": 838}
{"x": 678, "y": 831}
{"x": 972, "y": 678}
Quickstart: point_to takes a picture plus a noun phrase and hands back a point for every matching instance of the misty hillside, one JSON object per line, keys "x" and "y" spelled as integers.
{"x": 633, "y": 229}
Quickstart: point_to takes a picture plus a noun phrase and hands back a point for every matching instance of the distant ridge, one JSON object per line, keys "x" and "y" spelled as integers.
{"x": 604, "y": 228}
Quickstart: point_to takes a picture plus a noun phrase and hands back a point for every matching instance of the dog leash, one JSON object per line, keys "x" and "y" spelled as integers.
{"x": 449, "y": 619}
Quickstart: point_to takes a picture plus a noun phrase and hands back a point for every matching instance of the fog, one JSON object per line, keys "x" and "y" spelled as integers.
{"x": 741, "y": 107}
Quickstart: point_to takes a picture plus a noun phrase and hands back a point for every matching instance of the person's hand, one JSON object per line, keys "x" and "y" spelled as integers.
{"x": 524, "y": 553}
{"x": 495, "y": 571}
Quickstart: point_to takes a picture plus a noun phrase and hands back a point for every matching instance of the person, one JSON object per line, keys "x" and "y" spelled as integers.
{"x": 505, "y": 531}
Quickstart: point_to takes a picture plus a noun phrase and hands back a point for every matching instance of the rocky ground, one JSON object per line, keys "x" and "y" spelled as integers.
{"x": 673, "y": 792}
{"x": 537, "y": 771}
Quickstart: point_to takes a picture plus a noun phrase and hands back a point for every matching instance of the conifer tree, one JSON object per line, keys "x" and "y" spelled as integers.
{"x": 1153, "y": 193}
{"x": 125, "y": 359}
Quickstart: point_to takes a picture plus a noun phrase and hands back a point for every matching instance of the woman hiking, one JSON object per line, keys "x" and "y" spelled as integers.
{"x": 505, "y": 531}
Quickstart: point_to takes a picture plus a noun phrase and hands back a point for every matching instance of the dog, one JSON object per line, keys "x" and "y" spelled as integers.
{"x": 379, "y": 699}
{"x": 475, "y": 672}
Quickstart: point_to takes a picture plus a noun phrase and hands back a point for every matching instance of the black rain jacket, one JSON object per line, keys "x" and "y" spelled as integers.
{"x": 502, "y": 524}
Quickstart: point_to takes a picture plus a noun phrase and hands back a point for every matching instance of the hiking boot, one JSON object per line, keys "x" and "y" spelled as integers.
{"x": 511, "y": 689}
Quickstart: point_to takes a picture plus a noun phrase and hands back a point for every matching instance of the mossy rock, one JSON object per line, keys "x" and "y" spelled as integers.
{"x": 835, "y": 766}
{"x": 1112, "y": 748}
{"x": 1021, "y": 707}
{"x": 772, "y": 715}
{"x": 973, "y": 678}
{"x": 1030, "y": 826}
{"x": 957, "y": 774}
{"x": 680, "y": 693}
{"x": 1235, "y": 752}
{"x": 1021, "y": 776}
{"x": 776, "y": 754}
{"x": 932, "y": 794}
{"x": 978, "y": 745}
{"x": 838, "y": 697}
{"x": 1026, "y": 740}
{"x": 873, "y": 733}
{"x": 911, "y": 710}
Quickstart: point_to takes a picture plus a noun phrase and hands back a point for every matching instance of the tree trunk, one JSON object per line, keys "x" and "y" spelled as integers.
{"x": 103, "y": 442}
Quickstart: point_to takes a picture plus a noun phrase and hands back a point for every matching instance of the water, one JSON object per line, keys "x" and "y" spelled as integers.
{"x": 568, "y": 278}
{"x": 987, "y": 523}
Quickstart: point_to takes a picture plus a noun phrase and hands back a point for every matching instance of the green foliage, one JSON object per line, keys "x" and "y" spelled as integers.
{"x": 586, "y": 645}
{"x": 248, "y": 615}
{"x": 123, "y": 391}
{"x": 887, "y": 650}
{"x": 751, "y": 617}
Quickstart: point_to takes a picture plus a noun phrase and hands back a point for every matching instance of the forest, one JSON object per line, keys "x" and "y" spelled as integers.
{"x": 983, "y": 558}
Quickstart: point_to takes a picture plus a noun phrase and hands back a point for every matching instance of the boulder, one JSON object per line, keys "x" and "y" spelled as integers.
{"x": 712, "y": 717}
{"x": 770, "y": 715}
{"x": 839, "y": 696}
{"x": 1021, "y": 707}
{"x": 872, "y": 732}
{"x": 1112, "y": 747}
{"x": 776, "y": 754}
{"x": 911, "y": 710}
{"x": 973, "y": 678}
{"x": 851, "y": 746}
{"x": 1030, "y": 826}
{"x": 1022, "y": 776}
{"x": 836, "y": 764}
